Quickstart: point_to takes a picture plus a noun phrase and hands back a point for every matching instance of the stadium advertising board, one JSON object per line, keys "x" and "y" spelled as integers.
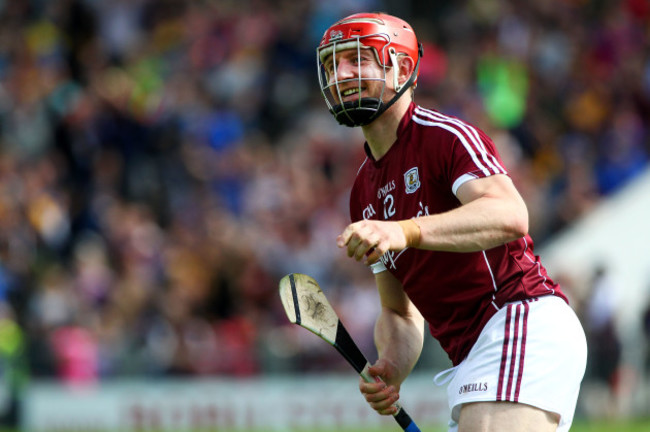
{"x": 278, "y": 403}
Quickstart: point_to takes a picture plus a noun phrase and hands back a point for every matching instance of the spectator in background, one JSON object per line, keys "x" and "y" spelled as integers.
{"x": 601, "y": 328}
{"x": 13, "y": 368}
{"x": 645, "y": 329}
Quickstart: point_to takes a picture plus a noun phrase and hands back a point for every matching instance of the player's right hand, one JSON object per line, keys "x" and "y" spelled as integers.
{"x": 371, "y": 239}
{"x": 380, "y": 395}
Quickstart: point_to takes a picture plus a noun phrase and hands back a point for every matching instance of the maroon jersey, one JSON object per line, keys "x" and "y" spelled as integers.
{"x": 457, "y": 293}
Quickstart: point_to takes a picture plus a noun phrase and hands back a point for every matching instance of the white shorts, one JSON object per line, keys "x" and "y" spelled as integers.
{"x": 532, "y": 352}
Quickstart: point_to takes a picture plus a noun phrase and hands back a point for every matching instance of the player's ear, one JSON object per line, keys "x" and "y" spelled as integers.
{"x": 406, "y": 67}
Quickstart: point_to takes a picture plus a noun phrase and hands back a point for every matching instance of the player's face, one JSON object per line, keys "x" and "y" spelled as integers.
{"x": 354, "y": 74}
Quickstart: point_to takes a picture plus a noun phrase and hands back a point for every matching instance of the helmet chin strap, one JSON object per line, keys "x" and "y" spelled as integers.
{"x": 358, "y": 113}
{"x": 366, "y": 110}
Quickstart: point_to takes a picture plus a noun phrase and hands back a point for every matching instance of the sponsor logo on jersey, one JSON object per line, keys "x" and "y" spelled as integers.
{"x": 386, "y": 189}
{"x": 369, "y": 212}
{"x": 412, "y": 180}
{"x": 389, "y": 260}
{"x": 473, "y": 387}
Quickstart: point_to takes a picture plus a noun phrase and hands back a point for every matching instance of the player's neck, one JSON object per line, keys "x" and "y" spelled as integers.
{"x": 382, "y": 133}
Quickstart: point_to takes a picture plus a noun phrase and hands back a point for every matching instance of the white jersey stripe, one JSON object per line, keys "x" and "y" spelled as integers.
{"x": 471, "y": 132}
{"x": 527, "y": 253}
{"x": 361, "y": 167}
{"x": 462, "y": 139}
{"x": 494, "y": 282}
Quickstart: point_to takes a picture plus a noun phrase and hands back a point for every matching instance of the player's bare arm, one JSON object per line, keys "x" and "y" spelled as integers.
{"x": 492, "y": 213}
{"x": 399, "y": 335}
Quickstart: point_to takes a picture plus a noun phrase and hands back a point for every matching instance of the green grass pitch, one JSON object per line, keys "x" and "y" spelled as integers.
{"x": 578, "y": 426}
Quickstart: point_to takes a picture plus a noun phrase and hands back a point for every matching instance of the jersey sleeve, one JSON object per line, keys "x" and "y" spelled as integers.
{"x": 473, "y": 155}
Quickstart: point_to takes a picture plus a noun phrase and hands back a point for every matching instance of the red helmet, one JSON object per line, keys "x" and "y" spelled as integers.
{"x": 388, "y": 37}
{"x": 378, "y": 30}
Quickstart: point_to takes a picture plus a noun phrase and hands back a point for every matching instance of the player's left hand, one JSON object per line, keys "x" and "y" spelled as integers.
{"x": 371, "y": 238}
{"x": 381, "y": 395}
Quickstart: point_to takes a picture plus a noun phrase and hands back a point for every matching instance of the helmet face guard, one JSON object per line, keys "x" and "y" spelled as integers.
{"x": 352, "y": 113}
{"x": 362, "y": 32}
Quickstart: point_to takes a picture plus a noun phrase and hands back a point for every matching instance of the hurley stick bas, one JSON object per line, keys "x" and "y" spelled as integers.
{"x": 306, "y": 305}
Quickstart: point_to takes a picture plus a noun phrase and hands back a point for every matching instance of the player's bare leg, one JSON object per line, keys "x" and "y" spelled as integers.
{"x": 505, "y": 416}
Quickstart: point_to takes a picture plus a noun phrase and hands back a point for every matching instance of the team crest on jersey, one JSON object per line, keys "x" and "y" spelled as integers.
{"x": 412, "y": 180}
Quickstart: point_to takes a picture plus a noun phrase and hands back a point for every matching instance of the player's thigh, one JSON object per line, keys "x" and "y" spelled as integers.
{"x": 505, "y": 416}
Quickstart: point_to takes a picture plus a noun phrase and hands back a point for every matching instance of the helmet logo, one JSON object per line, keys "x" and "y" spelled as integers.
{"x": 336, "y": 35}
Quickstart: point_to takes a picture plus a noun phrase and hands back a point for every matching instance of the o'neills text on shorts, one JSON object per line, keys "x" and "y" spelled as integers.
{"x": 473, "y": 387}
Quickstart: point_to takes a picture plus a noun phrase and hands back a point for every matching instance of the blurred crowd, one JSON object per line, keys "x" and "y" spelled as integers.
{"x": 163, "y": 163}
